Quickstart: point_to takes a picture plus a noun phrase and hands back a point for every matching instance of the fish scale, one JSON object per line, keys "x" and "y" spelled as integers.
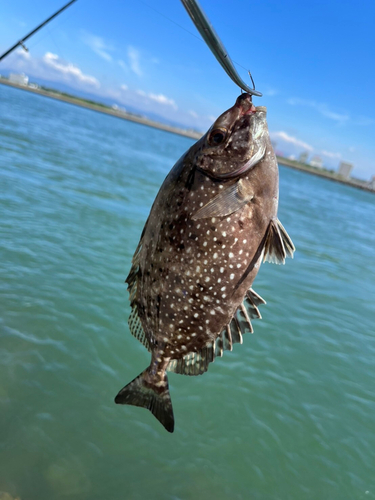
{"x": 211, "y": 256}
{"x": 212, "y": 222}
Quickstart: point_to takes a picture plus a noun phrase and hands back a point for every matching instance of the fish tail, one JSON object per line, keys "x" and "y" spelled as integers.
{"x": 151, "y": 392}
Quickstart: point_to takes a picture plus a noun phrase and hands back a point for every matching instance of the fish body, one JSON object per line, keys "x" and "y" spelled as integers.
{"x": 212, "y": 222}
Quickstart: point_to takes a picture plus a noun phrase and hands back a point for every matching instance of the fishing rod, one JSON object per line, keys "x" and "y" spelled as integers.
{"x": 21, "y": 42}
{"x": 213, "y": 41}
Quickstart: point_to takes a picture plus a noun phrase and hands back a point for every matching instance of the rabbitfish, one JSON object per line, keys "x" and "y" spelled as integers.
{"x": 212, "y": 223}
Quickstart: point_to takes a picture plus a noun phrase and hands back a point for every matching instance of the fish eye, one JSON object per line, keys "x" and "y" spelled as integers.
{"x": 217, "y": 137}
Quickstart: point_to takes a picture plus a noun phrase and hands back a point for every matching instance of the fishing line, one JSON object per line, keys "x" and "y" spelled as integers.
{"x": 49, "y": 32}
{"x": 42, "y": 35}
{"x": 184, "y": 29}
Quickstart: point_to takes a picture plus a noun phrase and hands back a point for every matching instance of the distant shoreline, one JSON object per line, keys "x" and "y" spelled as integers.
{"x": 286, "y": 162}
{"x": 192, "y": 134}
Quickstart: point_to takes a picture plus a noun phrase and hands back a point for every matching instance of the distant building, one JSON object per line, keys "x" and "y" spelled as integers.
{"x": 33, "y": 85}
{"x": 303, "y": 157}
{"x": 19, "y": 78}
{"x": 371, "y": 183}
{"x": 316, "y": 161}
{"x": 345, "y": 169}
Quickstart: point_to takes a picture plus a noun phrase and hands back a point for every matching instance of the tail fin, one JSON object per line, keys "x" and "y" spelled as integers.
{"x": 154, "y": 395}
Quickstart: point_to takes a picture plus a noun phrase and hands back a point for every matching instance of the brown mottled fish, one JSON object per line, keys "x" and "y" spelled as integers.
{"x": 212, "y": 223}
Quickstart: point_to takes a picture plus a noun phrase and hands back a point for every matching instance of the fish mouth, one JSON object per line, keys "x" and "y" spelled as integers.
{"x": 244, "y": 103}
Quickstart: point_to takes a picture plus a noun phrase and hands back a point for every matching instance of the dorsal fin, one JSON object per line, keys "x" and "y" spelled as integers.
{"x": 251, "y": 301}
{"x": 227, "y": 339}
{"x": 278, "y": 244}
{"x": 196, "y": 363}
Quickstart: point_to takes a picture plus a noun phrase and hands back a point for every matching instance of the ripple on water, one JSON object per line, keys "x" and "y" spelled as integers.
{"x": 287, "y": 415}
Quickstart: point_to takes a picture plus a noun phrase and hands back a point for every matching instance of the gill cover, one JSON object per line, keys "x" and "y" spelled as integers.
{"x": 236, "y": 142}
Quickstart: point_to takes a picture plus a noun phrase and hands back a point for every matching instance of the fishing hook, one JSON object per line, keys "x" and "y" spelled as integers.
{"x": 213, "y": 41}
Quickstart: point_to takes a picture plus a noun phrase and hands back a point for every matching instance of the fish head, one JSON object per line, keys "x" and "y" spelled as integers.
{"x": 235, "y": 142}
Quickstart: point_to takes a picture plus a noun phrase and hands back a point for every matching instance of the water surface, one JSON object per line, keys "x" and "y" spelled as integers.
{"x": 290, "y": 414}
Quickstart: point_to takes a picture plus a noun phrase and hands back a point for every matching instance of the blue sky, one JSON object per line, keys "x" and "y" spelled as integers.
{"x": 313, "y": 61}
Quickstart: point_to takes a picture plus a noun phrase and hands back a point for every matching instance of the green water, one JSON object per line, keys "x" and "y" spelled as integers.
{"x": 290, "y": 414}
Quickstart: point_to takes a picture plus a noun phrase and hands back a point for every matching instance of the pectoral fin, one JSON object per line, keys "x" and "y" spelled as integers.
{"x": 278, "y": 244}
{"x": 228, "y": 201}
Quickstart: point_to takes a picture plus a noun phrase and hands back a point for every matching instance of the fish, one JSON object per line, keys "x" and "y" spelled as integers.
{"x": 212, "y": 224}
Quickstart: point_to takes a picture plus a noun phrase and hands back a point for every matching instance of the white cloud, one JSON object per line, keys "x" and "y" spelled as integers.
{"x": 122, "y": 64}
{"x": 134, "y": 60}
{"x": 331, "y": 155}
{"x": 124, "y": 87}
{"x": 291, "y": 140}
{"x": 193, "y": 113}
{"x": 98, "y": 45}
{"x": 25, "y": 54}
{"x": 158, "y": 98}
{"x": 68, "y": 71}
{"x": 339, "y": 117}
{"x": 270, "y": 92}
{"x": 50, "y": 67}
{"x": 162, "y": 99}
{"x": 322, "y": 108}
{"x": 295, "y": 101}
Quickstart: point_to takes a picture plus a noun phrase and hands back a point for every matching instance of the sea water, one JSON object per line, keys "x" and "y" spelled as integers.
{"x": 290, "y": 414}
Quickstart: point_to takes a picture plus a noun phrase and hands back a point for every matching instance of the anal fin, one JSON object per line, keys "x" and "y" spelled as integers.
{"x": 194, "y": 363}
{"x": 136, "y": 328}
